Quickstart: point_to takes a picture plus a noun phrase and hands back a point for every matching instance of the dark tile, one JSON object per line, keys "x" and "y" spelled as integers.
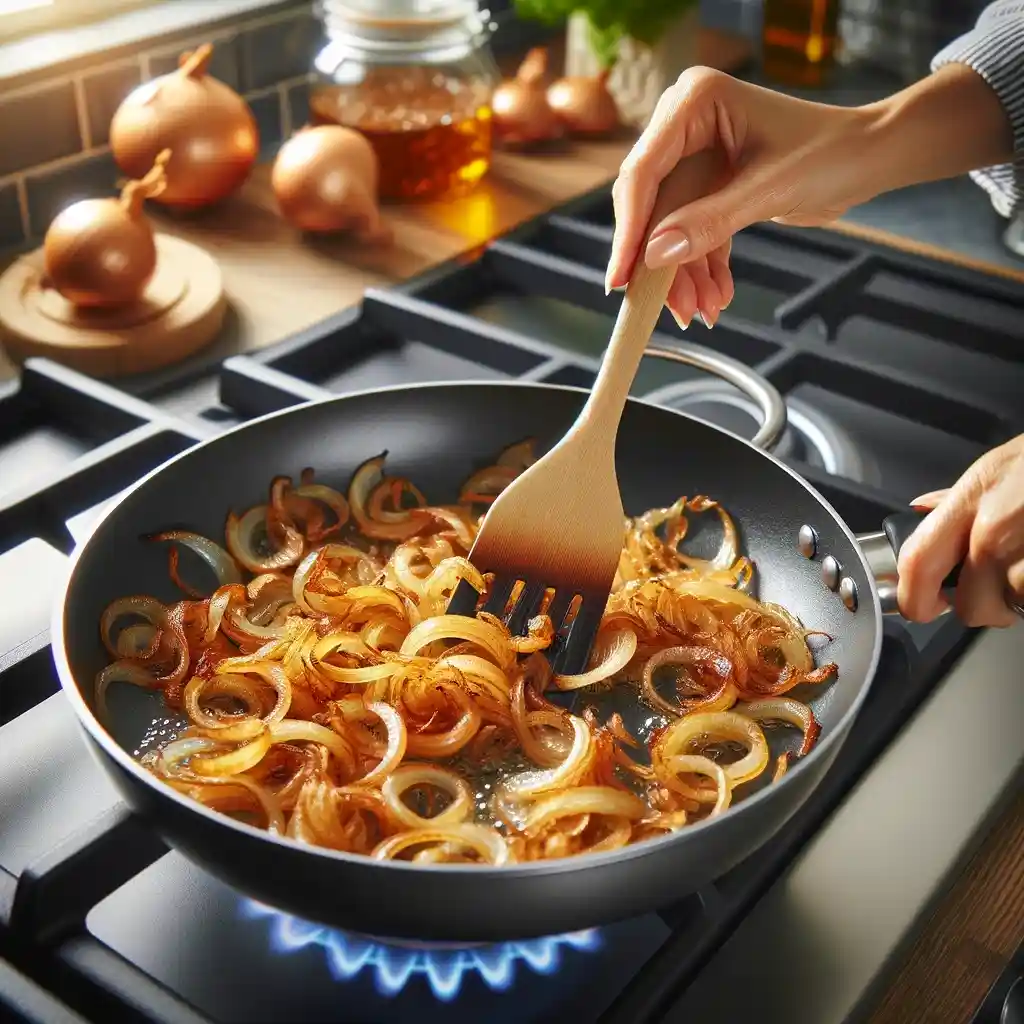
{"x": 278, "y": 51}
{"x": 38, "y": 126}
{"x": 298, "y": 105}
{"x": 11, "y": 231}
{"x": 267, "y": 111}
{"x": 51, "y": 191}
{"x": 224, "y": 64}
{"x": 104, "y": 92}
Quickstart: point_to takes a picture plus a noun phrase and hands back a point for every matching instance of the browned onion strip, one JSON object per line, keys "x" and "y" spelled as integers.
{"x": 334, "y": 500}
{"x": 475, "y": 631}
{"x": 223, "y": 566}
{"x": 140, "y": 606}
{"x": 213, "y": 791}
{"x": 582, "y": 800}
{"x": 224, "y": 728}
{"x": 697, "y": 764}
{"x": 612, "y": 652}
{"x": 368, "y": 476}
{"x": 568, "y": 773}
{"x": 369, "y": 665}
{"x": 232, "y": 762}
{"x": 788, "y": 710}
{"x": 410, "y": 776}
{"x": 697, "y": 730}
{"x": 486, "y": 842}
{"x": 706, "y": 657}
{"x": 296, "y": 731}
{"x": 396, "y": 744}
{"x": 271, "y": 673}
{"x": 239, "y": 533}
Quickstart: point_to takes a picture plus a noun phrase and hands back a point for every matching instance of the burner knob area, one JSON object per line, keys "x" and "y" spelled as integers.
{"x": 807, "y": 541}
{"x": 831, "y": 571}
{"x": 848, "y": 593}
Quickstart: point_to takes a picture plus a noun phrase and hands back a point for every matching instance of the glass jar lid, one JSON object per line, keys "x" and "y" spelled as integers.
{"x": 401, "y": 31}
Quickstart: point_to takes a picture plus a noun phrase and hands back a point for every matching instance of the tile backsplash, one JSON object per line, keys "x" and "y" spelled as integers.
{"x": 55, "y": 131}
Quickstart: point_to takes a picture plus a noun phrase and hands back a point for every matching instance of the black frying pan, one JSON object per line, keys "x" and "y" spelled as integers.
{"x": 437, "y": 435}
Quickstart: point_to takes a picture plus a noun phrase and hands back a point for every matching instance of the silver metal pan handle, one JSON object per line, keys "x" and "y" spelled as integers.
{"x": 882, "y": 551}
{"x": 751, "y": 383}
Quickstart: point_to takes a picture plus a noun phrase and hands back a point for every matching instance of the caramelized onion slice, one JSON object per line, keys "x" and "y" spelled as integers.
{"x": 568, "y": 773}
{"x": 224, "y": 567}
{"x": 694, "y": 732}
{"x": 410, "y": 776}
{"x": 582, "y": 800}
{"x": 241, "y": 533}
{"x": 368, "y": 476}
{"x": 612, "y": 652}
{"x": 232, "y": 762}
{"x": 788, "y": 710}
{"x": 697, "y": 764}
{"x": 484, "y": 634}
{"x": 487, "y": 843}
{"x": 395, "y": 750}
{"x": 294, "y": 730}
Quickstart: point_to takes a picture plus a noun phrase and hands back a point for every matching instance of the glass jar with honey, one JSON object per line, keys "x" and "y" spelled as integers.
{"x": 415, "y": 77}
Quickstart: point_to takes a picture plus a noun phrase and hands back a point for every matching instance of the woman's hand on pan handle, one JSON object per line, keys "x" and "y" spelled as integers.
{"x": 979, "y": 521}
{"x": 793, "y": 161}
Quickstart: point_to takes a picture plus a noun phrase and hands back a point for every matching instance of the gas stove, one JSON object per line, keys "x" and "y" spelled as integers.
{"x": 897, "y": 373}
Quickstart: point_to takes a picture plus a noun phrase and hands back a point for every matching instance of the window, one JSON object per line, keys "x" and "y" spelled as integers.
{"x": 20, "y": 16}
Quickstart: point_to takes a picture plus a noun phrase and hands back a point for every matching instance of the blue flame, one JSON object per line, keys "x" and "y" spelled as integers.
{"x": 394, "y": 966}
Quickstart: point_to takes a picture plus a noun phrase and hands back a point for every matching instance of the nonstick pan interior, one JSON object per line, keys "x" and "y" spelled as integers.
{"x": 437, "y": 435}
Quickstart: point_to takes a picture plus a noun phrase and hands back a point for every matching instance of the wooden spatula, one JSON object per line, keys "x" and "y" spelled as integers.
{"x": 561, "y": 524}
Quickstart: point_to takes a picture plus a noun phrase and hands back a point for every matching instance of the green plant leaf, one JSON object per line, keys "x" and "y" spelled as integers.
{"x": 610, "y": 20}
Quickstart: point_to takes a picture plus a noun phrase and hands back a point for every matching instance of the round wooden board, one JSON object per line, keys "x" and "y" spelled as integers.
{"x": 180, "y": 312}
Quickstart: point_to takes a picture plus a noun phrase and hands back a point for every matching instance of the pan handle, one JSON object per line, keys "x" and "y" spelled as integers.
{"x": 882, "y": 550}
{"x": 750, "y": 382}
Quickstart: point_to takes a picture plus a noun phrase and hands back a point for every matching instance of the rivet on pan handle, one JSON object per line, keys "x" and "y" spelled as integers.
{"x": 751, "y": 383}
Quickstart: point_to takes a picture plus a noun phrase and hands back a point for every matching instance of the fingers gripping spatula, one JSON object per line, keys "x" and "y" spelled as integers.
{"x": 560, "y": 525}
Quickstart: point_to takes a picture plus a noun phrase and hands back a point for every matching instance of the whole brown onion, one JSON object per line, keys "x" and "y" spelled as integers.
{"x": 325, "y": 180}
{"x": 100, "y": 253}
{"x": 584, "y": 105}
{"x": 520, "y": 108}
{"x": 207, "y": 126}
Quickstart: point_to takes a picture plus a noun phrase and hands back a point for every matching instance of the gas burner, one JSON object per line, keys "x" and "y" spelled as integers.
{"x": 444, "y": 966}
{"x": 811, "y": 436}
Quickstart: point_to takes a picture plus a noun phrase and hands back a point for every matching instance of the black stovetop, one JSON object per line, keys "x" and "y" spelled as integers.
{"x": 898, "y": 372}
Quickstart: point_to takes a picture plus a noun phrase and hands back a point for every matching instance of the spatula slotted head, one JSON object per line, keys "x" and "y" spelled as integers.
{"x": 559, "y": 526}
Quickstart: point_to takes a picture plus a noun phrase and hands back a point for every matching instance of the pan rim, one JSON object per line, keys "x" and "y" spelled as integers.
{"x": 126, "y": 763}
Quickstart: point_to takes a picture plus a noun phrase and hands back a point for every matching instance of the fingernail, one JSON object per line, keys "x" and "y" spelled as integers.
{"x": 666, "y": 249}
{"x": 927, "y": 501}
{"x": 705, "y": 319}
{"x": 679, "y": 320}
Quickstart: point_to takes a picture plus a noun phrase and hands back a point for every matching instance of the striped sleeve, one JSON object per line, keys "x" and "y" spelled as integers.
{"x": 994, "y": 48}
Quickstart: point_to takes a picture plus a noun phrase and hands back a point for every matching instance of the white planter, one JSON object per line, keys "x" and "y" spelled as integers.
{"x": 642, "y": 73}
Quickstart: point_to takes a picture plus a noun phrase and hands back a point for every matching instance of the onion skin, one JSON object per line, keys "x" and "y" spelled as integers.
{"x": 208, "y": 127}
{"x": 100, "y": 253}
{"x": 521, "y": 113}
{"x": 325, "y": 181}
{"x": 584, "y": 106}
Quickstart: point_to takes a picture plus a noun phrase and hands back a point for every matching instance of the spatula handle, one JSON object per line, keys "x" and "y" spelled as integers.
{"x": 692, "y": 178}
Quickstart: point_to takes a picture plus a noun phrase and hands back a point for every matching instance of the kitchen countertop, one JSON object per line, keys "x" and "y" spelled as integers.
{"x": 279, "y": 283}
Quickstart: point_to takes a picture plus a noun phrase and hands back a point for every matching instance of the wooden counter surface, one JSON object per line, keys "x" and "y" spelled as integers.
{"x": 279, "y": 283}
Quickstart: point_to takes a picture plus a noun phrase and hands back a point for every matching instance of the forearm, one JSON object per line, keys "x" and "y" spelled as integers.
{"x": 947, "y": 124}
